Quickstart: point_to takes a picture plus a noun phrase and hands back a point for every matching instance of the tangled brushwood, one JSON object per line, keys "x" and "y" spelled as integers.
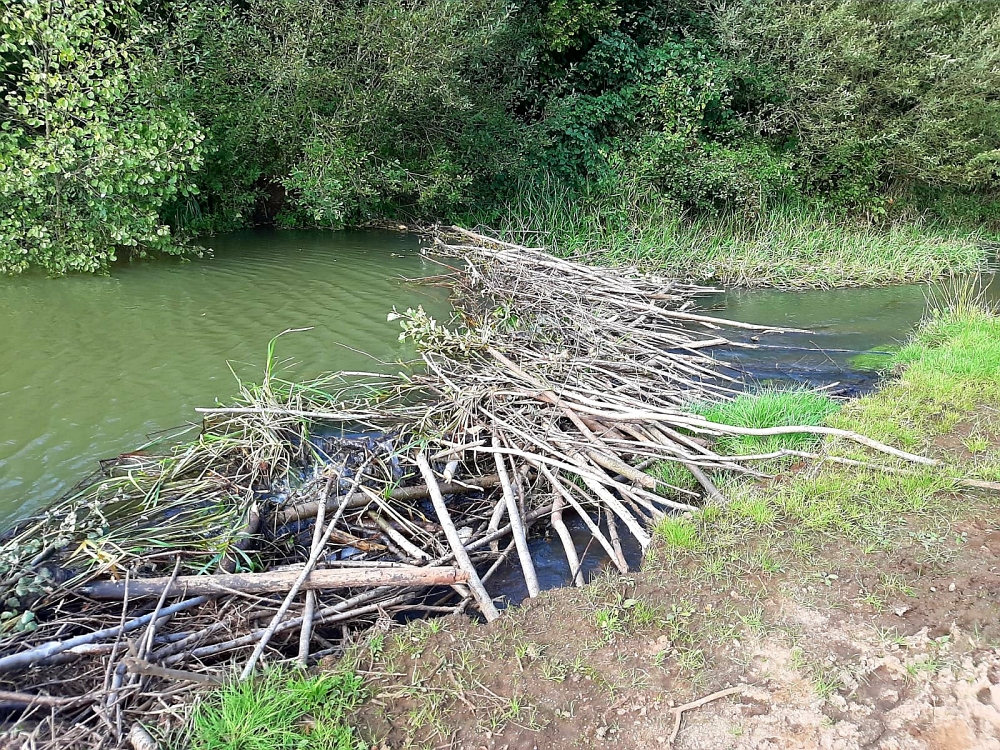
{"x": 307, "y": 513}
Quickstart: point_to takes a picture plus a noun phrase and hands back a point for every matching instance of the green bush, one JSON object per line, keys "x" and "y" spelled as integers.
{"x": 877, "y": 96}
{"x": 337, "y": 113}
{"x": 89, "y": 151}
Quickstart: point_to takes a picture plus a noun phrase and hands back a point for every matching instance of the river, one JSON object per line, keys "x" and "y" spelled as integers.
{"x": 94, "y": 365}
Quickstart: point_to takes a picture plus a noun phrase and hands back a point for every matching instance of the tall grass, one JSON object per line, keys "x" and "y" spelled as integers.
{"x": 785, "y": 246}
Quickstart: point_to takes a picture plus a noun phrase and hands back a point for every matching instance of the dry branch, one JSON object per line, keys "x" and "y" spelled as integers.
{"x": 275, "y": 581}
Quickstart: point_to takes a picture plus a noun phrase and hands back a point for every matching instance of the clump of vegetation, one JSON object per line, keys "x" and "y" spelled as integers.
{"x": 677, "y": 532}
{"x": 818, "y": 135}
{"x": 673, "y": 476}
{"x": 281, "y": 710}
{"x": 770, "y": 407}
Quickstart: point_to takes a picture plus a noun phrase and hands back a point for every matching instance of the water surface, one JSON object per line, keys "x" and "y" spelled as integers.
{"x": 92, "y": 365}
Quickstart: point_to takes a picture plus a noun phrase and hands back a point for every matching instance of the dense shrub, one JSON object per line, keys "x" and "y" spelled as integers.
{"x": 878, "y": 96}
{"x": 89, "y": 150}
{"x": 122, "y": 119}
{"x": 351, "y": 110}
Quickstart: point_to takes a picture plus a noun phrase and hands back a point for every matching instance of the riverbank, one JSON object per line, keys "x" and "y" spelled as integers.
{"x": 596, "y": 445}
{"x": 850, "y": 607}
{"x": 784, "y": 247}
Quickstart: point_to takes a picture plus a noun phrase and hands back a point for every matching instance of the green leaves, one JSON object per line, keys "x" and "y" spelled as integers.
{"x": 91, "y": 159}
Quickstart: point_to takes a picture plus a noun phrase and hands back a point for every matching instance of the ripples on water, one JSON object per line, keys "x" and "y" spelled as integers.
{"x": 92, "y": 365}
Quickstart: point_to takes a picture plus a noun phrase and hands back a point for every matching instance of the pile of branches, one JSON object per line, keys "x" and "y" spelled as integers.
{"x": 308, "y": 513}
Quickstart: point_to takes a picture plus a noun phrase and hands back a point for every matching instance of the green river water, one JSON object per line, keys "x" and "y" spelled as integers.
{"x": 92, "y": 365}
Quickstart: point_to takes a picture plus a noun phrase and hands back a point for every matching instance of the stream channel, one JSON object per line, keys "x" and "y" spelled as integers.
{"x": 92, "y": 366}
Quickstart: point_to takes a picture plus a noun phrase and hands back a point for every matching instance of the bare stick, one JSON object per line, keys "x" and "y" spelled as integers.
{"x": 707, "y": 484}
{"x": 30, "y": 699}
{"x": 335, "y": 613}
{"x": 616, "y": 541}
{"x": 299, "y": 579}
{"x": 306, "y": 570}
{"x": 461, "y": 556}
{"x": 517, "y": 528}
{"x": 595, "y": 530}
{"x": 141, "y": 666}
{"x": 147, "y": 642}
{"x": 27, "y": 658}
{"x": 305, "y": 634}
{"x": 678, "y": 711}
{"x": 411, "y": 550}
{"x": 567, "y": 541}
{"x": 614, "y": 503}
{"x": 402, "y": 494}
{"x": 498, "y": 510}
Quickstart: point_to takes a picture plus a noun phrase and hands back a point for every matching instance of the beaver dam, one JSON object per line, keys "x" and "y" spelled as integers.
{"x": 308, "y": 513}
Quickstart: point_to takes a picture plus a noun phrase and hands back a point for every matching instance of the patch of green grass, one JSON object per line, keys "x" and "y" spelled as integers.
{"x": 280, "y": 710}
{"x": 753, "y": 508}
{"x": 950, "y": 368}
{"x": 769, "y": 408}
{"x": 677, "y": 533}
{"x": 672, "y": 475}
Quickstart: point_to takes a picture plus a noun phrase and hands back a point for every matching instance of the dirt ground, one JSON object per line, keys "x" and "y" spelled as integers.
{"x": 845, "y": 649}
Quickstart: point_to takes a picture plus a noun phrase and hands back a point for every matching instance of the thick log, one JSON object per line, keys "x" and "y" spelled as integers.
{"x": 401, "y": 494}
{"x": 275, "y": 582}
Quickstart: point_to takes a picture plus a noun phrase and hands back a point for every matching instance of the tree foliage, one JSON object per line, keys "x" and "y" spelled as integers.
{"x": 877, "y": 93}
{"x": 88, "y": 152}
{"x": 127, "y": 125}
{"x": 350, "y": 110}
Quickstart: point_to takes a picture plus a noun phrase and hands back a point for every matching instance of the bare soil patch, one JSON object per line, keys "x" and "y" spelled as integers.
{"x": 896, "y": 650}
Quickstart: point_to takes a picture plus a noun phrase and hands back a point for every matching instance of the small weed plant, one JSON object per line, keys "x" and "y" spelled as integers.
{"x": 678, "y": 533}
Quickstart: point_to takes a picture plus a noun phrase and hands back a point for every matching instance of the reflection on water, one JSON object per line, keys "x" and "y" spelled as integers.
{"x": 852, "y": 331}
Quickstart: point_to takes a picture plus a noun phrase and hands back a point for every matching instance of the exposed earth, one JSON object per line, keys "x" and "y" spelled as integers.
{"x": 898, "y": 650}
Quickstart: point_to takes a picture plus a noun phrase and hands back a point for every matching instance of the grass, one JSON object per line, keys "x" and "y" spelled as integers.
{"x": 948, "y": 375}
{"x": 784, "y": 246}
{"x": 677, "y": 533}
{"x": 769, "y": 407}
{"x": 282, "y": 710}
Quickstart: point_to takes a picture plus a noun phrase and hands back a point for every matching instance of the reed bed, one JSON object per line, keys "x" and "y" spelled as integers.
{"x": 305, "y": 514}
